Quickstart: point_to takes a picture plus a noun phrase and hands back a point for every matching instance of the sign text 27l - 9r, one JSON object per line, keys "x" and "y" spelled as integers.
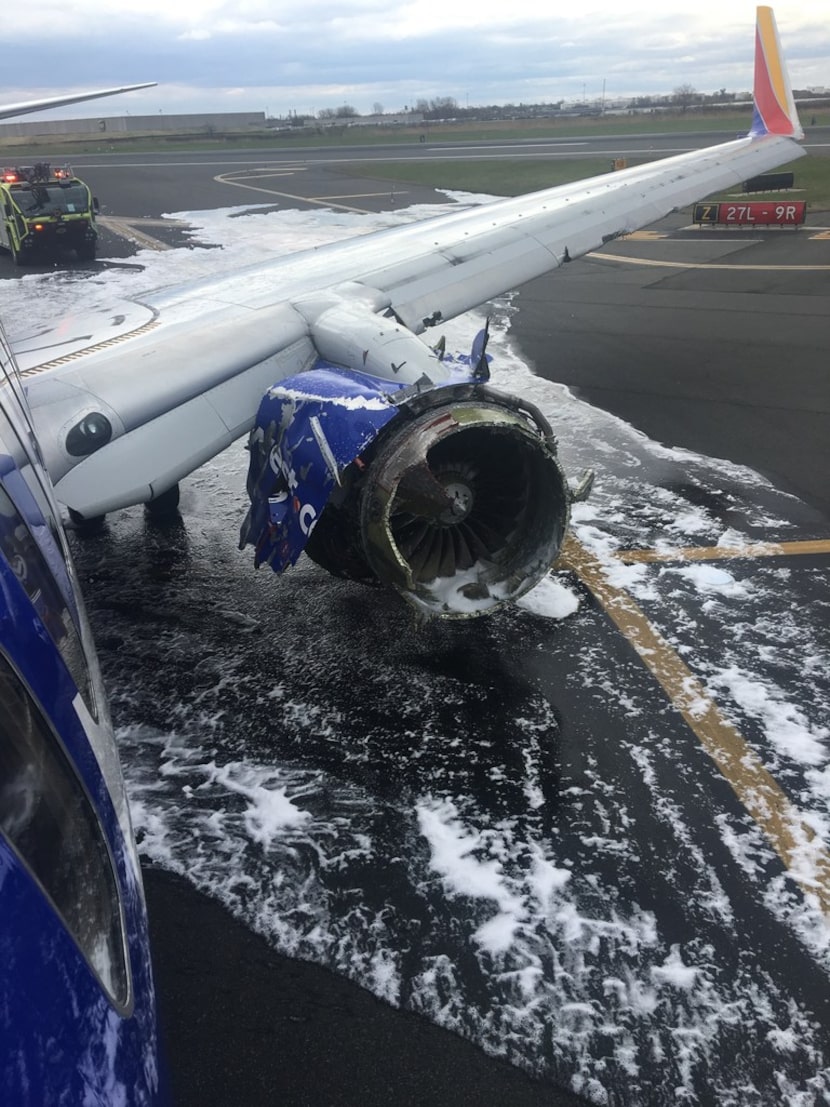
{"x": 784, "y": 213}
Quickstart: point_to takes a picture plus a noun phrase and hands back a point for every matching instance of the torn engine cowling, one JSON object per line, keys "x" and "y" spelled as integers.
{"x": 450, "y": 493}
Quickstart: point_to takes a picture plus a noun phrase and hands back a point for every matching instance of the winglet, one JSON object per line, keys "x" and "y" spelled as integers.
{"x": 775, "y": 112}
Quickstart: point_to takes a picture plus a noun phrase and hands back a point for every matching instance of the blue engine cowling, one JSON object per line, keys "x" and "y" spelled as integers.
{"x": 309, "y": 429}
{"x": 451, "y": 493}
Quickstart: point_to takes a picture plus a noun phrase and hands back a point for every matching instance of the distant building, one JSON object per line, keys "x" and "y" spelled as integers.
{"x": 137, "y": 124}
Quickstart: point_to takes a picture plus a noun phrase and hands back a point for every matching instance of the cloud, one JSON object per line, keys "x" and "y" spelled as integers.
{"x": 321, "y": 52}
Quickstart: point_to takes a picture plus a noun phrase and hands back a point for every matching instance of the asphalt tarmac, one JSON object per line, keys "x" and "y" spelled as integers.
{"x": 245, "y": 1026}
{"x": 242, "y": 1025}
{"x": 727, "y": 361}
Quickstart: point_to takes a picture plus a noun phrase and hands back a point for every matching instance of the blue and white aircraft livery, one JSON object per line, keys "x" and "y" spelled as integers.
{"x": 374, "y": 452}
{"x": 77, "y": 1007}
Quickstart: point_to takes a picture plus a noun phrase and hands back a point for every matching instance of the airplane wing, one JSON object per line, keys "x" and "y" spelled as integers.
{"x": 24, "y": 107}
{"x": 329, "y": 338}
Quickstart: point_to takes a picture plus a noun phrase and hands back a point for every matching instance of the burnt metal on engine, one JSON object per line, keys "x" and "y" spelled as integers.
{"x": 309, "y": 429}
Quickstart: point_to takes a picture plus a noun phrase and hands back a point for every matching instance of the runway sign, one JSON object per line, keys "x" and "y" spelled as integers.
{"x": 770, "y": 182}
{"x": 789, "y": 213}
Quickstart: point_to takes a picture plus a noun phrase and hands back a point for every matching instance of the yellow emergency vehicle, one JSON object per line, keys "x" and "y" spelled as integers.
{"x": 45, "y": 210}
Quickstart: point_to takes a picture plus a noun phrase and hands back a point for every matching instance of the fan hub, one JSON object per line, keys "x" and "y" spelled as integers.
{"x": 462, "y": 502}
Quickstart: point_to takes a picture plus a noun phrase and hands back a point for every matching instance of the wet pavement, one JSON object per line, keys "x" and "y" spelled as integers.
{"x": 518, "y": 827}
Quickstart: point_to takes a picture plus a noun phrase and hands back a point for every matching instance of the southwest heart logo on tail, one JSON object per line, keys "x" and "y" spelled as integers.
{"x": 775, "y": 112}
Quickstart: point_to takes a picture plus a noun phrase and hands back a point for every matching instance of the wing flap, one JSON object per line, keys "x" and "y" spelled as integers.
{"x": 60, "y": 342}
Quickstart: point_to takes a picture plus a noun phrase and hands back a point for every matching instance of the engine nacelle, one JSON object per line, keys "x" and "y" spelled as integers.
{"x": 464, "y": 504}
{"x": 451, "y": 494}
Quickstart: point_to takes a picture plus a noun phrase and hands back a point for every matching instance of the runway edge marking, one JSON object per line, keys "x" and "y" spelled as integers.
{"x": 802, "y": 851}
{"x": 223, "y": 179}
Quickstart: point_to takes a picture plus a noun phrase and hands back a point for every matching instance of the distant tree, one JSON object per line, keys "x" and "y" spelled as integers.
{"x": 377, "y": 108}
{"x": 346, "y": 111}
{"x": 443, "y": 107}
{"x": 684, "y": 95}
{"x": 440, "y": 107}
{"x": 326, "y": 113}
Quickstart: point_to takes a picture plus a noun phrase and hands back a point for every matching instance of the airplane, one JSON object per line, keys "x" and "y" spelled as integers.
{"x": 77, "y": 1003}
{"x": 374, "y": 453}
{"x": 379, "y": 455}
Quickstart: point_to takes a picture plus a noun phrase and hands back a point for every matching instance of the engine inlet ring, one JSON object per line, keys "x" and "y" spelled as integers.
{"x": 502, "y": 469}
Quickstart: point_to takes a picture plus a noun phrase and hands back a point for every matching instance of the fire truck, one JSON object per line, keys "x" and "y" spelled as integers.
{"x": 45, "y": 210}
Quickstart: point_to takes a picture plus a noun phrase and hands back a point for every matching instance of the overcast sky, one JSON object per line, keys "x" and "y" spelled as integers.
{"x": 268, "y": 55}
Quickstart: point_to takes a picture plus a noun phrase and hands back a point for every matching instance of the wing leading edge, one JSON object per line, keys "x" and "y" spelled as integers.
{"x": 25, "y": 107}
{"x": 187, "y": 383}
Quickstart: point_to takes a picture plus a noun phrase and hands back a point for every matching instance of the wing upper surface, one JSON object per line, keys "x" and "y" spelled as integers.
{"x": 447, "y": 264}
{"x": 465, "y": 260}
{"x": 224, "y": 336}
{"x": 180, "y": 375}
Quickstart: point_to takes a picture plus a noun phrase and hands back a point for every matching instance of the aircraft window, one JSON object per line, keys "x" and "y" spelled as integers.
{"x": 17, "y": 439}
{"x": 30, "y": 567}
{"x": 48, "y": 818}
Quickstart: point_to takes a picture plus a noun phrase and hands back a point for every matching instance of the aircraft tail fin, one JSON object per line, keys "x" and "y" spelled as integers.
{"x": 775, "y": 112}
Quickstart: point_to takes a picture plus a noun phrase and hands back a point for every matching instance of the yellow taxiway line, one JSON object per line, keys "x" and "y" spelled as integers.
{"x": 726, "y": 553}
{"x": 722, "y": 266}
{"x": 816, "y": 234}
{"x": 647, "y": 236}
{"x": 803, "y": 853}
{"x": 130, "y": 229}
